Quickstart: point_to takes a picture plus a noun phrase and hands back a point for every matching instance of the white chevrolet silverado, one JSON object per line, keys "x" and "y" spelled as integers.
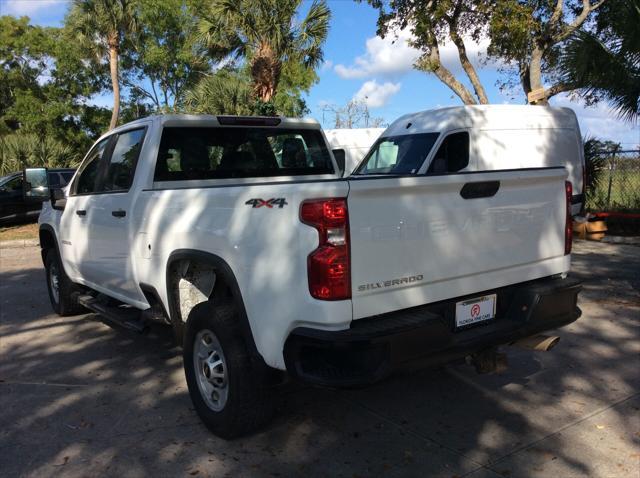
{"x": 242, "y": 235}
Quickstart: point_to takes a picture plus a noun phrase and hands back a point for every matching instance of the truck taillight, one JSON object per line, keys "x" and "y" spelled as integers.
{"x": 568, "y": 226}
{"x": 328, "y": 267}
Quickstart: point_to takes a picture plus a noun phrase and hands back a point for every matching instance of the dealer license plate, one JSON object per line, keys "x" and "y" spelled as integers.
{"x": 472, "y": 311}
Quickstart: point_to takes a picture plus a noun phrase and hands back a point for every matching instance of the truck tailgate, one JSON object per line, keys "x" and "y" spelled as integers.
{"x": 416, "y": 239}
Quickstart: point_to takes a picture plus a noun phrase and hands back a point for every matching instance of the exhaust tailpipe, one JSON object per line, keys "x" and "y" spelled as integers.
{"x": 538, "y": 342}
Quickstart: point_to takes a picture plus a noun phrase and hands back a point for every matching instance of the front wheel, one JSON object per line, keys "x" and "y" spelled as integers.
{"x": 232, "y": 393}
{"x": 63, "y": 293}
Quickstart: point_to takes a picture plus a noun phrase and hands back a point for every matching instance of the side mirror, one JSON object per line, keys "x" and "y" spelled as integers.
{"x": 35, "y": 186}
{"x": 339, "y": 154}
{"x": 58, "y": 199}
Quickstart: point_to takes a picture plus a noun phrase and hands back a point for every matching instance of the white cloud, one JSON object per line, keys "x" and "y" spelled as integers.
{"x": 476, "y": 52}
{"x": 326, "y": 65}
{"x": 389, "y": 56}
{"x": 26, "y": 7}
{"x": 375, "y": 94}
{"x": 600, "y": 121}
{"x": 392, "y": 56}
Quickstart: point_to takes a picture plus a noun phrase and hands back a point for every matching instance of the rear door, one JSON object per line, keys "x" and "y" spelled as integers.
{"x": 417, "y": 239}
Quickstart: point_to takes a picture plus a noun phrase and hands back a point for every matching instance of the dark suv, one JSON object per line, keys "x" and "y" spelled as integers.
{"x": 13, "y": 208}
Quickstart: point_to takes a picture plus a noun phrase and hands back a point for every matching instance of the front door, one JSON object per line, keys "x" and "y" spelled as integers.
{"x": 11, "y": 201}
{"x": 110, "y": 222}
{"x": 74, "y": 223}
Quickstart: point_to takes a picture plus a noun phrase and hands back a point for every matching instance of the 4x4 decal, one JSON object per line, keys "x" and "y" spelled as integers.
{"x": 269, "y": 203}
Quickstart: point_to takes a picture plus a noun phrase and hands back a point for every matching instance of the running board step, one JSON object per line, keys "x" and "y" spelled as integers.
{"x": 125, "y": 316}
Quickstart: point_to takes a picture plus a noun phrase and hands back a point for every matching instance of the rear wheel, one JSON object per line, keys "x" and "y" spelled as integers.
{"x": 232, "y": 393}
{"x": 63, "y": 293}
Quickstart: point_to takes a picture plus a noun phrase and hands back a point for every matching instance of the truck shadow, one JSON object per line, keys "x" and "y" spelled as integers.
{"x": 82, "y": 398}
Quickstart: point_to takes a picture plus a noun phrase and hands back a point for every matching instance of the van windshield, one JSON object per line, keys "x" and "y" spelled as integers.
{"x": 397, "y": 154}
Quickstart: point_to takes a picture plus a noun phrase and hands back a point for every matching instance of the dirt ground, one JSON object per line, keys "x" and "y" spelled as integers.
{"x": 20, "y": 231}
{"x": 79, "y": 398}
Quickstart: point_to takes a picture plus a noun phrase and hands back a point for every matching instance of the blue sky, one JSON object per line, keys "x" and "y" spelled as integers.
{"x": 360, "y": 65}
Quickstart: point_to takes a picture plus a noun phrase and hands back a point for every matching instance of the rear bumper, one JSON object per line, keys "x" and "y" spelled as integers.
{"x": 373, "y": 347}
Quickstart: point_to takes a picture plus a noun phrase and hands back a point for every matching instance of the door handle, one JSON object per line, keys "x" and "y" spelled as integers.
{"x": 483, "y": 189}
{"x": 119, "y": 213}
{"x": 81, "y": 212}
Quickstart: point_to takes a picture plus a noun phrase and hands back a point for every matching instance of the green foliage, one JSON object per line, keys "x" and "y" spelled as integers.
{"x": 596, "y": 153}
{"x": 44, "y": 84}
{"x": 99, "y": 25}
{"x": 103, "y": 28}
{"x": 19, "y": 151}
{"x": 165, "y": 54}
{"x": 227, "y": 92}
{"x": 267, "y": 35}
{"x": 604, "y": 63}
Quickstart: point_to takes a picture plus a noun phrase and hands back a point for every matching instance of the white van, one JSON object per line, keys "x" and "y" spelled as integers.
{"x": 494, "y": 137}
{"x": 353, "y": 143}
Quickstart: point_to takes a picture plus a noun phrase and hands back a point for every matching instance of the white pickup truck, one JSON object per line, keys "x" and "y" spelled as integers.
{"x": 242, "y": 235}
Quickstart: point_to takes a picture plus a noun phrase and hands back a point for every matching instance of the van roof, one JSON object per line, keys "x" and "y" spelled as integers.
{"x": 354, "y": 137}
{"x": 483, "y": 117}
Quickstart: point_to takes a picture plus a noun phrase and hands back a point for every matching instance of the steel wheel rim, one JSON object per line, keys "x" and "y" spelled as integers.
{"x": 210, "y": 367}
{"x": 54, "y": 282}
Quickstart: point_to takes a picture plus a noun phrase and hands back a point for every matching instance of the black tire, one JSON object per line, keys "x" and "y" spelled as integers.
{"x": 65, "y": 301}
{"x": 250, "y": 394}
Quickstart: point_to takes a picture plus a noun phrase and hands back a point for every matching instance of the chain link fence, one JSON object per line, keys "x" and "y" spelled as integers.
{"x": 617, "y": 187}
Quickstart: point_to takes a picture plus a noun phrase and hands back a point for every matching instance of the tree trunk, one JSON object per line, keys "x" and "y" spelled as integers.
{"x": 265, "y": 71}
{"x": 468, "y": 68}
{"x": 115, "y": 84}
{"x": 431, "y": 63}
{"x": 535, "y": 73}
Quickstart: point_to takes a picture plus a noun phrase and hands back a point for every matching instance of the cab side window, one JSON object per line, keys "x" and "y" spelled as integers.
{"x": 452, "y": 155}
{"x": 87, "y": 181}
{"x": 14, "y": 185}
{"x": 122, "y": 163}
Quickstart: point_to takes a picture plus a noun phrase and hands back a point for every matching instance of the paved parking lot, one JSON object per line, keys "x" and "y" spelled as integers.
{"x": 79, "y": 398}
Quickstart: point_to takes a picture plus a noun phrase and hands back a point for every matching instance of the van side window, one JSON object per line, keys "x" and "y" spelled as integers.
{"x": 452, "y": 155}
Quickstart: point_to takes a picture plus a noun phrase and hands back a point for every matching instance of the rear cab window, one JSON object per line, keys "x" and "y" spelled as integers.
{"x": 198, "y": 153}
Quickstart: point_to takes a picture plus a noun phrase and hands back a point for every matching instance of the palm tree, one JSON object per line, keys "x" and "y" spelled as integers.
{"x": 605, "y": 63}
{"x": 266, "y": 34}
{"x": 227, "y": 92}
{"x": 103, "y": 26}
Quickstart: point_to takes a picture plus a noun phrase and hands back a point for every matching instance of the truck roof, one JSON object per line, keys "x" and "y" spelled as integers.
{"x": 483, "y": 117}
{"x": 220, "y": 120}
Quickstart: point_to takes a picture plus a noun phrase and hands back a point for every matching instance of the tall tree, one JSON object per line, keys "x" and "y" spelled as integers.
{"x": 166, "y": 59}
{"x": 45, "y": 85}
{"x": 433, "y": 23}
{"x": 103, "y": 26}
{"x": 228, "y": 91}
{"x": 266, "y": 34}
{"x": 531, "y": 34}
{"x": 526, "y": 34}
{"x": 604, "y": 62}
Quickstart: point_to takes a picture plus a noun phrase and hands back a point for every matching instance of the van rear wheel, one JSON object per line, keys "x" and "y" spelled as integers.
{"x": 232, "y": 393}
